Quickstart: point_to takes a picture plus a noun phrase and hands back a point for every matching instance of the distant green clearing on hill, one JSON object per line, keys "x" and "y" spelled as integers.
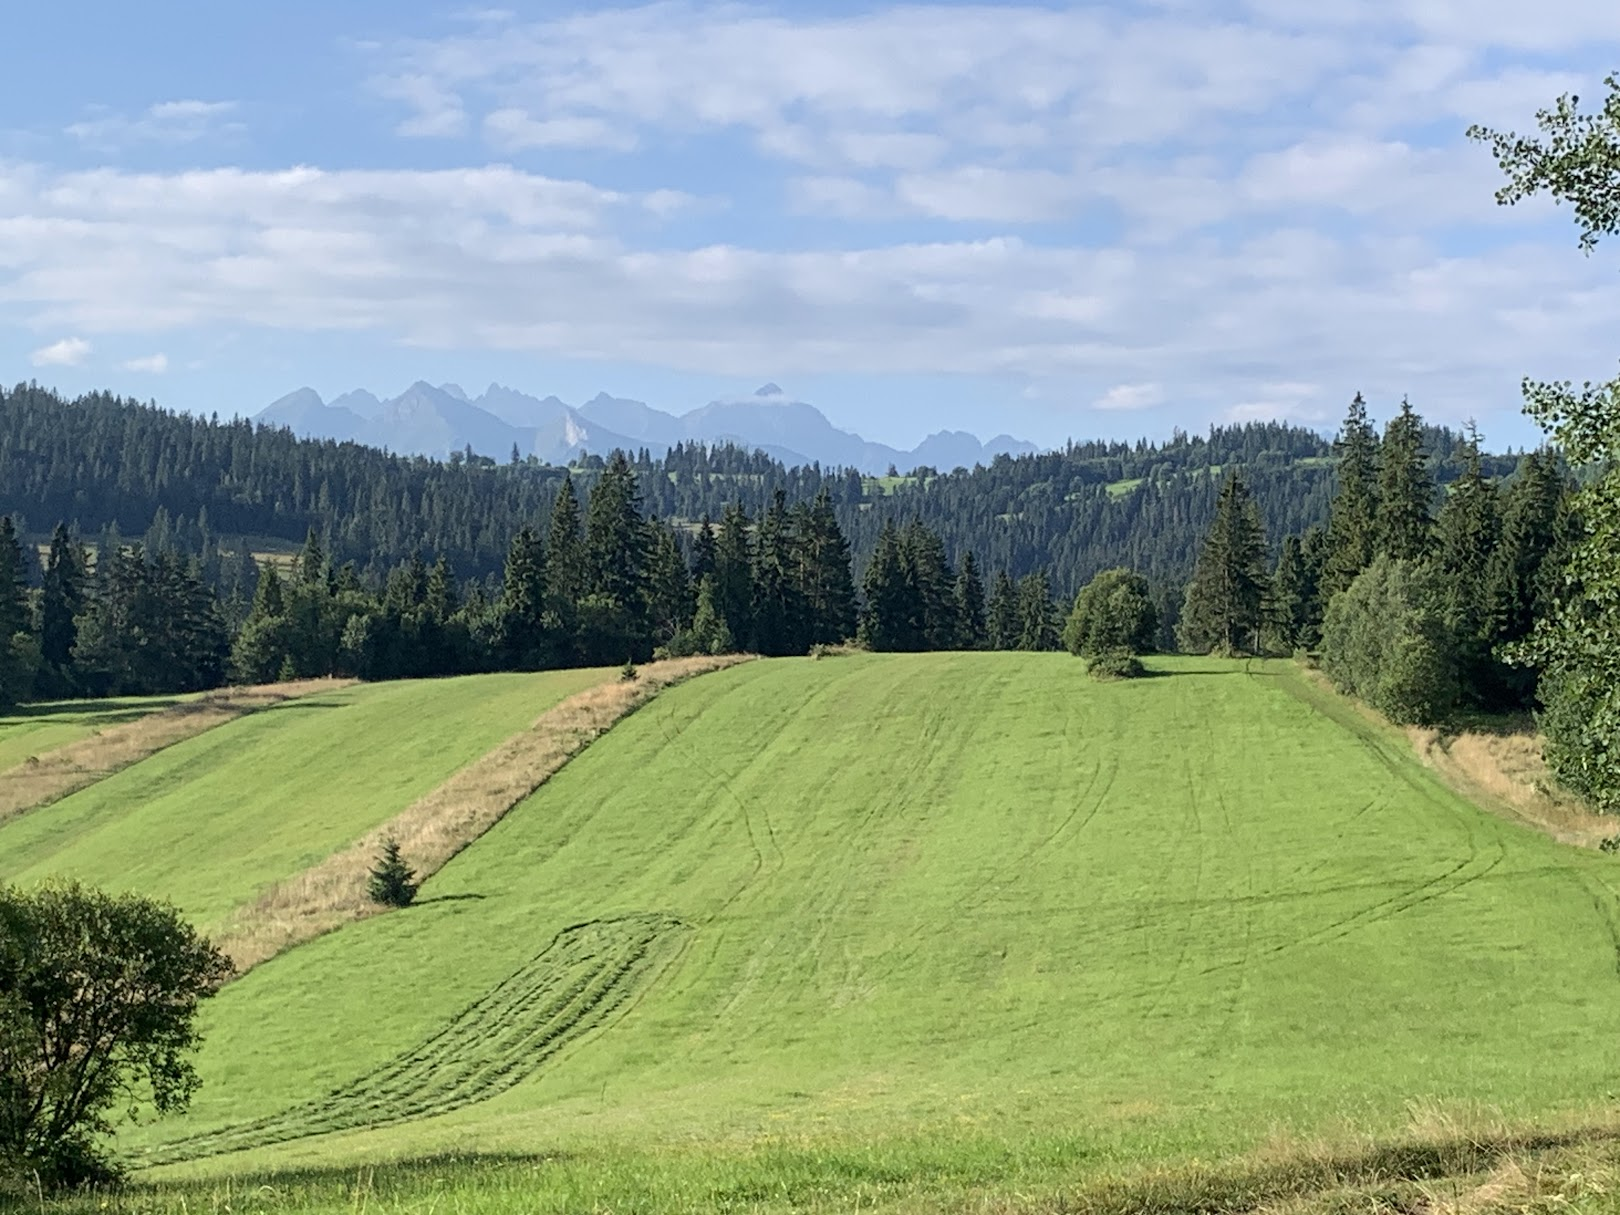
{"x": 212, "y": 820}
{"x": 970, "y": 921}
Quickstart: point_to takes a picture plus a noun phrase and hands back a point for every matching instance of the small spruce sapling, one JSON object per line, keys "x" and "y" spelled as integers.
{"x": 392, "y": 880}
{"x": 628, "y": 673}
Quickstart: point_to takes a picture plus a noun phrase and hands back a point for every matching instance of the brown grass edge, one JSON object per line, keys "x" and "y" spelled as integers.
{"x": 44, "y": 779}
{"x": 438, "y": 825}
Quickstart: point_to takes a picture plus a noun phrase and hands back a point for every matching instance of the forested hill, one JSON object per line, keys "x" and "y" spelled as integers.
{"x": 199, "y": 486}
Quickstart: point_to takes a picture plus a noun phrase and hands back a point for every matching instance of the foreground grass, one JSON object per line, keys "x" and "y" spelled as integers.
{"x": 1442, "y": 1166}
{"x": 210, "y": 821}
{"x": 978, "y": 898}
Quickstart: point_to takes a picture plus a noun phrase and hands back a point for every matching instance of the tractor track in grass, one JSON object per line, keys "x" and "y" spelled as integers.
{"x": 589, "y": 975}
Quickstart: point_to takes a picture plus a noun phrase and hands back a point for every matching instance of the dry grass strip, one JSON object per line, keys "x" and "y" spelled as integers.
{"x": 1505, "y": 772}
{"x": 43, "y": 779}
{"x": 332, "y": 892}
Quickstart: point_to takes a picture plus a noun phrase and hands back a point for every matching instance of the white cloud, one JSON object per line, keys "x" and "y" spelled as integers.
{"x": 173, "y": 122}
{"x": 156, "y": 364}
{"x": 69, "y": 352}
{"x": 1130, "y": 396}
{"x": 513, "y": 129}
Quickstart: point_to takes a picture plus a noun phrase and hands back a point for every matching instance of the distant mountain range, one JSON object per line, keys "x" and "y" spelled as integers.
{"x": 424, "y": 420}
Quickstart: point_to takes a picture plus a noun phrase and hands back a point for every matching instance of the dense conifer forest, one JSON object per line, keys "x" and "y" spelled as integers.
{"x": 146, "y": 551}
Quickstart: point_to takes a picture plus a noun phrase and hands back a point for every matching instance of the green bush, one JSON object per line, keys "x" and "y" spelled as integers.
{"x": 1113, "y": 612}
{"x": 1385, "y": 640}
{"x": 1115, "y": 664}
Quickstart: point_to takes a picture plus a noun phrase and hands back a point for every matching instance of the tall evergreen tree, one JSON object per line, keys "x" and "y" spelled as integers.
{"x": 1405, "y": 489}
{"x": 1038, "y": 616}
{"x": 1224, "y": 607}
{"x": 1001, "y": 617}
{"x": 16, "y": 667}
{"x": 888, "y": 621}
{"x": 1467, "y": 534}
{"x": 825, "y": 579}
{"x": 1288, "y": 614}
{"x": 670, "y": 598}
{"x": 61, "y": 602}
{"x": 614, "y": 613}
{"x": 522, "y": 609}
{"x": 1518, "y": 588}
{"x": 931, "y": 586}
{"x": 565, "y": 573}
{"x": 779, "y": 608}
{"x": 734, "y": 572}
{"x": 1353, "y": 519}
{"x": 971, "y": 631}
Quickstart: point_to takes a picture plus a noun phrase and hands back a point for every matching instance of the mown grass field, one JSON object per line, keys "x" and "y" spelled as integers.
{"x": 212, "y": 820}
{"x": 30, "y": 730}
{"x": 920, "y": 931}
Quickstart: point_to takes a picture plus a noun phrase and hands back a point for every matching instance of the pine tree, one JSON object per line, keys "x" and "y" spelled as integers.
{"x": 779, "y": 610}
{"x": 1224, "y": 607}
{"x": 888, "y": 620}
{"x": 1516, "y": 590}
{"x": 670, "y": 602}
{"x": 1467, "y": 534}
{"x": 565, "y": 574}
{"x": 1352, "y": 535}
{"x": 522, "y": 606}
{"x": 1001, "y": 617}
{"x": 825, "y": 579}
{"x": 931, "y": 584}
{"x": 710, "y": 633}
{"x": 1038, "y": 626}
{"x": 969, "y": 596}
{"x": 1405, "y": 490}
{"x": 734, "y": 573}
{"x": 62, "y": 601}
{"x": 1287, "y": 608}
{"x": 18, "y": 649}
{"x": 392, "y": 881}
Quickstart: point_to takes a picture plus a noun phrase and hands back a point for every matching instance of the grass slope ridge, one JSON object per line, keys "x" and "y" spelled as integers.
{"x": 443, "y": 822}
{"x": 48, "y": 777}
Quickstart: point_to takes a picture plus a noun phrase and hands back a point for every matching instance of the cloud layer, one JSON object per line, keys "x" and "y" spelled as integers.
{"x": 1256, "y": 211}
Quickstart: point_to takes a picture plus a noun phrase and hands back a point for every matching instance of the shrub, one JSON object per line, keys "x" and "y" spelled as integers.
{"x": 1113, "y": 612}
{"x": 392, "y": 880}
{"x": 1115, "y": 664}
{"x": 628, "y": 673}
{"x": 98, "y": 1004}
{"x": 1385, "y": 639}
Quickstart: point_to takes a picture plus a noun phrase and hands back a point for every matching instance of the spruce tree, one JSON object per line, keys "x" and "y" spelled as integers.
{"x": 710, "y": 633}
{"x": 62, "y": 601}
{"x": 1038, "y": 625}
{"x": 931, "y": 587}
{"x": 779, "y": 608}
{"x": 565, "y": 574}
{"x": 392, "y": 881}
{"x": 969, "y": 595}
{"x": 1001, "y": 617}
{"x": 826, "y": 583}
{"x": 523, "y": 602}
{"x": 1517, "y": 590}
{"x": 734, "y": 573}
{"x": 1225, "y": 603}
{"x": 1405, "y": 489}
{"x": 1352, "y": 536}
{"x": 670, "y": 600}
{"x": 18, "y": 650}
{"x": 1287, "y": 608}
{"x": 888, "y": 621}
{"x": 1467, "y": 534}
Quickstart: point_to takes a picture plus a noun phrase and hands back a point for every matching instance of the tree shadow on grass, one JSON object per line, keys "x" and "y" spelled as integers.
{"x": 313, "y": 1180}
{"x": 98, "y": 713}
{"x": 449, "y": 898}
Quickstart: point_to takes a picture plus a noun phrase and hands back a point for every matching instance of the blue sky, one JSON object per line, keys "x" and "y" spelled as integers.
{"x": 1105, "y": 219}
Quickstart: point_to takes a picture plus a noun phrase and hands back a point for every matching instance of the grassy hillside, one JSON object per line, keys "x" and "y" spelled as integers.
{"x": 210, "y": 821}
{"x": 963, "y": 917}
{"x": 30, "y": 730}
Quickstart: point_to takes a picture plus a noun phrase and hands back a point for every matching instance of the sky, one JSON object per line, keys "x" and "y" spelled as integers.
{"x": 1096, "y": 220}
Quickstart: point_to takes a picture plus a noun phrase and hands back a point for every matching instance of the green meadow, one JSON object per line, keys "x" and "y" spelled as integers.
{"x": 211, "y": 821}
{"x": 30, "y": 730}
{"x": 958, "y": 931}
